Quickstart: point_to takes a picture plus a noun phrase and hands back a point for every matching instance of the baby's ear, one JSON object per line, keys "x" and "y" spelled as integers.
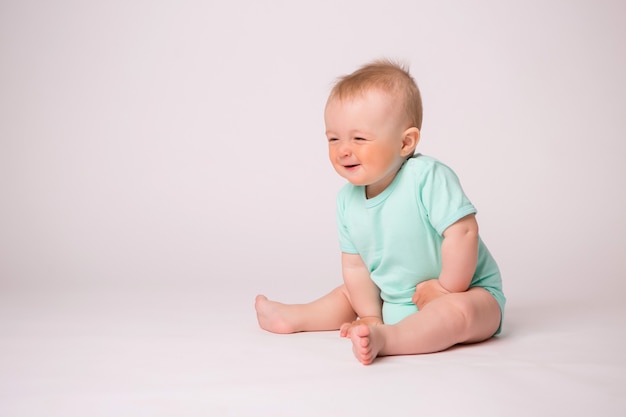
{"x": 410, "y": 140}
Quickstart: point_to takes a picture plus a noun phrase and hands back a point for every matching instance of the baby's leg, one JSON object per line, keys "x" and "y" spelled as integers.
{"x": 466, "y": 317}
{"x": 326, "y": 313}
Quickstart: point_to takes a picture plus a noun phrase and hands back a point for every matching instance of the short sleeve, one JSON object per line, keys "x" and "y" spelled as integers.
{"x": 443, "y": 197}
{"x": 345, "y": 241}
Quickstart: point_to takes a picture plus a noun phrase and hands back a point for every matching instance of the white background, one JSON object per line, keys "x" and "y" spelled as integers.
{"x": 177, "y": 147}
{"x": 182, "y": 143}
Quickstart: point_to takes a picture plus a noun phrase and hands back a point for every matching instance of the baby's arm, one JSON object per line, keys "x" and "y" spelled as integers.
{"x": 364, "y": 294}
{"x": 459, "y": 255}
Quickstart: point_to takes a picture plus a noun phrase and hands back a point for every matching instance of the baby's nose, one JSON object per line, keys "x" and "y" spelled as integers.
{"x": 345, "y": 149}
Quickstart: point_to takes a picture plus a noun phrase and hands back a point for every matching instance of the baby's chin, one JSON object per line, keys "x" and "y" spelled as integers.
{"x": 353, "y": 178}
{"x": 356, "y": 182}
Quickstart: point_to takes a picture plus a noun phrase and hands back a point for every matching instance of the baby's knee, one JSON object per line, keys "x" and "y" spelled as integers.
{"x": 460, "y": 308}
{"x": 475, "y": 312}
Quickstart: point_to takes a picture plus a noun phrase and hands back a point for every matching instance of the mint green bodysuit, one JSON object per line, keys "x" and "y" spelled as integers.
{"x": 399, "y": 233}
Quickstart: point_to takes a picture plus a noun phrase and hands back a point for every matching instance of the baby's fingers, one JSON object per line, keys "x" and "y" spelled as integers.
{"x": 415, "y": 298}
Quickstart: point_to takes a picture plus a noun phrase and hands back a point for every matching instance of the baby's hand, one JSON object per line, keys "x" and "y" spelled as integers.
{"x": 344, "y": 331}
{"x": 427, "y": 291}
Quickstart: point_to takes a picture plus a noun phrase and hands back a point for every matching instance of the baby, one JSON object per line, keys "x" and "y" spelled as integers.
{"x": 417, "y": 278}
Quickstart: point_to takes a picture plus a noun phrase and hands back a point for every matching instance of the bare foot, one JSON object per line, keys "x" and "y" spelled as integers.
{"x": 273, "y": 316}
{"x": 367, "y": 342}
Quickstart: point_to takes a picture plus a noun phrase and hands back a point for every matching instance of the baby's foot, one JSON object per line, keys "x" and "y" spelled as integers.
{"x": 367, "y": 341}
{"x": 273, "y": 316}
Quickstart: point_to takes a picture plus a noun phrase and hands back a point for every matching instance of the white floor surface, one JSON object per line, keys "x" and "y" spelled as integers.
{"x": 181, "y": 353}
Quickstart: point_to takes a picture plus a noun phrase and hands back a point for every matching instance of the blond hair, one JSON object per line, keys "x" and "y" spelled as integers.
{"x": 388, "y": 76}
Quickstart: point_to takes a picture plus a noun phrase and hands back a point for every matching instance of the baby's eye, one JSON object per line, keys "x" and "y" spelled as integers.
{"x": 359, "y": 138}
{"x": 332, "y": 139}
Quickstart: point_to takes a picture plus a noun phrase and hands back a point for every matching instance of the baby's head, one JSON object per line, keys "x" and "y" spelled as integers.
{"x": 388, "y": 77}
{"x": 373, "y": 117}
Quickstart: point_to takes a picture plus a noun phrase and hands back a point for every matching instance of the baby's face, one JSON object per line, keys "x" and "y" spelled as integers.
{"x": 365, "y": 139}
